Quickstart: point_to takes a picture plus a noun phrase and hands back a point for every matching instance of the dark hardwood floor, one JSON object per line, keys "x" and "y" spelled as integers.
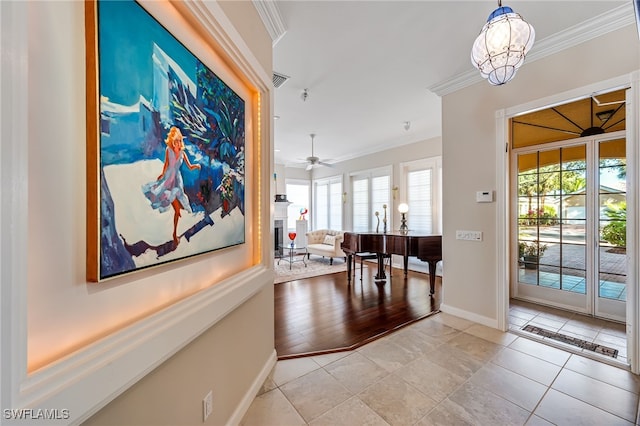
{"x": 325, "y": 314}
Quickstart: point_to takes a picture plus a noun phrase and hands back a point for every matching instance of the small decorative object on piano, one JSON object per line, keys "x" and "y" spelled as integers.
{"x": 384, "y": 219}
{"x": 378, "y": 224}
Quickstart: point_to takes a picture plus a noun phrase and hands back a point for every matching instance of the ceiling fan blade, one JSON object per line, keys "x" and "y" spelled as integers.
{"x": 322, "y": 163}
{"x": 309, "y": 167}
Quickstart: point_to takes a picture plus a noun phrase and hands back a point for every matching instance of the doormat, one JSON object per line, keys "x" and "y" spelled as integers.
{"x": 590, "y": 346}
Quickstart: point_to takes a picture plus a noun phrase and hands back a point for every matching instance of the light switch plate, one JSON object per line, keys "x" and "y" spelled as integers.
{"x": 469, "y": 235}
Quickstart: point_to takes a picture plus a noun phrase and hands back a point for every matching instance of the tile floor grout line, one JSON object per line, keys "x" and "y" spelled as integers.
{"x": 598, "y": 380}
{"x": 549, "y": 387}
{"x": 606, "y": 410}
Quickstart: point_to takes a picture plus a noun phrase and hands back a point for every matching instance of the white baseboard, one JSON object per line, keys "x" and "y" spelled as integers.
{"x": 489, "y": 322}
{"x": 248, "y": 398}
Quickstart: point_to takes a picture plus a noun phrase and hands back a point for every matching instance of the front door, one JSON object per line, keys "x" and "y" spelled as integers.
{"x": 570, "y": 217}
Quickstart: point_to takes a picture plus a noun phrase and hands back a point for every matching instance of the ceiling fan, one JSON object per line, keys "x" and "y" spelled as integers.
{"x": 313, "y": 160}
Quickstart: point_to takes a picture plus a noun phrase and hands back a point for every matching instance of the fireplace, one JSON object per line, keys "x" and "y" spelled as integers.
{"x": 278, "y": 237}
{"x": 280, "y": 223}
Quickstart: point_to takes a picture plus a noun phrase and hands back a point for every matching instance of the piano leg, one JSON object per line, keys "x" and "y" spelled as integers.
{"x": 350, "y": 258}
{"x": 406, "y": 265}
{"x": 380, "y": 275}
{"x": 432, "y": 277}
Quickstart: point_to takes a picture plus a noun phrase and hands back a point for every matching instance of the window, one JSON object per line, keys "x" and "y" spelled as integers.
{"x": 421, "y": 192}
{"x": 327, "y": 209}
{"x": 298, "y": 196}
{"x": 335, "y": 205}
{"x": 361, "y": 205}
{"x": 420, "y": 214}
{"x": 380, "y": 190}
{"x": 371, "y": 191}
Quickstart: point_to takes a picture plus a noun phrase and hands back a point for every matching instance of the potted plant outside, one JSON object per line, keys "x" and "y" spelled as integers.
{"x": 530, "y": 252}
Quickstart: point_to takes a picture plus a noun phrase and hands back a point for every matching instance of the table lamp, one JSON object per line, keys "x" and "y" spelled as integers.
{"x": 403, "y": 208}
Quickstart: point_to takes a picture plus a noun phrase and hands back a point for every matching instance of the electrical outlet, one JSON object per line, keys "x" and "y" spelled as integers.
{"x": 207, "y": 406}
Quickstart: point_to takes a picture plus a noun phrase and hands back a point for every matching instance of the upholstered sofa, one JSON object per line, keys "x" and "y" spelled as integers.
{"x": 325, "y": 243}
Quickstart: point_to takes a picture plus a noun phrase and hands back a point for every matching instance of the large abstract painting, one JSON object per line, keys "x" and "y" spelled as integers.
{"x": 166, "y": 147}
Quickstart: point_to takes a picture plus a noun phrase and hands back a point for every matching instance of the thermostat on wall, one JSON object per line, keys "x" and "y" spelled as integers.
{"x": 484, "y": 197}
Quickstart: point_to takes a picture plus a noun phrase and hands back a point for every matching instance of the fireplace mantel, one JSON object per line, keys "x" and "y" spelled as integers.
{"x": 280, "y": 210}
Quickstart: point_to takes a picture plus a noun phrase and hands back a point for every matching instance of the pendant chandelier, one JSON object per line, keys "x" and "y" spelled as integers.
{"x": 500, "y": 48}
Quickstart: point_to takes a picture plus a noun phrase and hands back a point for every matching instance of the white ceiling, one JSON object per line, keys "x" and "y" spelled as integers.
{"x": 369, "y": 66}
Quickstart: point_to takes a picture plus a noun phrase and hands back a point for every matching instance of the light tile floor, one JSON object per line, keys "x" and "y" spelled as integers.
{"x": 445, "y": 370}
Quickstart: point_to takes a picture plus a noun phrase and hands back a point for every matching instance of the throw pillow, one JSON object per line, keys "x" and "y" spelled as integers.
{"x": 329, "y": 240}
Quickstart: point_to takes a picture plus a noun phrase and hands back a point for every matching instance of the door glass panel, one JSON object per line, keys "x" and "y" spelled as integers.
{"x": 573, "y": 158}
{"x": 574, "y": 231}
{"x": 574, "y": 280}
{"x": 549, "y": 161}
{"x": 552, "y": 219}
{"x": 574, "y": 266}
{"x": 612, "y": 204}
{"x": 550, "y": 277}
{"x": 574, "y": 208}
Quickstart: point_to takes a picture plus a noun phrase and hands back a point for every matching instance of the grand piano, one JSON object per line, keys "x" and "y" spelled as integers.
{"x": 427, "y": 248}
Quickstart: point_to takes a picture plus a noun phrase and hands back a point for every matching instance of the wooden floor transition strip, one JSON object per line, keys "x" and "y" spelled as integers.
{"x": 574, "y": 341}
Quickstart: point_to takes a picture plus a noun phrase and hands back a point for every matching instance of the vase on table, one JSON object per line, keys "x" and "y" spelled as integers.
{"x": 292, "y": 237}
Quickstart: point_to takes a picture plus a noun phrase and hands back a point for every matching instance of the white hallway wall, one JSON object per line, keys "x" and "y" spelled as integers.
{"x": 64, "y": 313}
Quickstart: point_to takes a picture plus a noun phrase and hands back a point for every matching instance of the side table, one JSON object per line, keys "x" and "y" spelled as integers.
{"x": 291, "y": 251}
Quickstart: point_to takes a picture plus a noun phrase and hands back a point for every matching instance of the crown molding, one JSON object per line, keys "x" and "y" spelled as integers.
{"x": 218, "y": 26}
{"x": 271, "y": 18}
{"x": 592, "y": 28}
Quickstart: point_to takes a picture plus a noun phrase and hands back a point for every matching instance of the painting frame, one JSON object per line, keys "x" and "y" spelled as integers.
{"x": 155, "y": 195}
{"x": 636, "y": 7}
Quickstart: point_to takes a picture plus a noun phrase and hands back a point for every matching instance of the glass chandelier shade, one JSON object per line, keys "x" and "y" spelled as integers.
{"x": 502, "y": 45}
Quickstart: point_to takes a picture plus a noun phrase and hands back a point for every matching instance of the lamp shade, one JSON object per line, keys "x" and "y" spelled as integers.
{"x": 502, "y": 45}
{"x": 403, "y": 207}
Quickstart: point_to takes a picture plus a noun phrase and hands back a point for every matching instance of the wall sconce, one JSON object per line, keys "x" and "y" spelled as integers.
{"x": 395, "y": 192}
{"x": 403, "y": 208}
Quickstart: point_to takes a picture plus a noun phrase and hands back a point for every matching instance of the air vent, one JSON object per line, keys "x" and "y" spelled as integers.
{"x": 279, "y": 79}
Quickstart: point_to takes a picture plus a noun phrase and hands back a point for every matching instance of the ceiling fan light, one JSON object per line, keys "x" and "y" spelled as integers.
{"x": 502, "y": 45}
{"x": 605, "y": 115}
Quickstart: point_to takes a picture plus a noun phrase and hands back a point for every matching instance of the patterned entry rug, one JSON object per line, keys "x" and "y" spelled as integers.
{"x": 590, "y": 346}
{"x": 315, "y": 266}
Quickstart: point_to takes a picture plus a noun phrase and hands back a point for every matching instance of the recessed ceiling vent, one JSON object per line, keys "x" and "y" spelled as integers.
{"x": 279, "y": 79}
